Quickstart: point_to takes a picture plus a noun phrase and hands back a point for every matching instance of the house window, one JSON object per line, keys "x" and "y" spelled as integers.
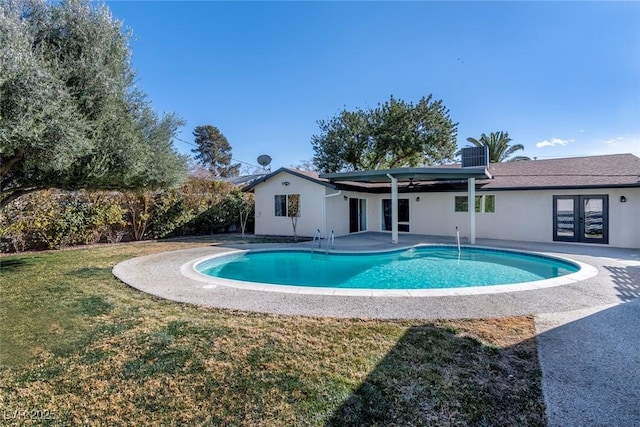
{"x": 281, "y": 205}
{"x": 489, "y": 203}
{"x": 485, "y": 203}
{"x": 287, "y": 205}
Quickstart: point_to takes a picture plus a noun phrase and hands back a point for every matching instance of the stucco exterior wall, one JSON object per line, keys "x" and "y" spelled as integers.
{"x": 519, "y": 215}
{"x": 523, "y": 215}
{"x": 626, "y": 216}
{"x": 311, "y": 196}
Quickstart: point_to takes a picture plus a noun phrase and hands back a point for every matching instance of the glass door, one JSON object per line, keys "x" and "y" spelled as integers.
{"x": 593, "y": 217}
{"x": 357, "y": 215}
{"x": 565, "y": 219}
{"x": 581, "y": 219}
{"x": 403, "y": 215}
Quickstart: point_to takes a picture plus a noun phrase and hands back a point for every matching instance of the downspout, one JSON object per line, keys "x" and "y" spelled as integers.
{"x": 324, "y": 210}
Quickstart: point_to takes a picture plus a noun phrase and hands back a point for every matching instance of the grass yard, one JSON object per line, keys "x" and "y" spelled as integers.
{"x": 78, "y": 347}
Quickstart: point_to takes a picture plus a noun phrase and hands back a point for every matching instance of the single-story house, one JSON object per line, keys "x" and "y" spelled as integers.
{"x": 592, "y": 200}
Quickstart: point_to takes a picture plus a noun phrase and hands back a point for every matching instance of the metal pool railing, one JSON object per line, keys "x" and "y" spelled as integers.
{"x": 317, "y": 236}
{"x": 331, "y": 240}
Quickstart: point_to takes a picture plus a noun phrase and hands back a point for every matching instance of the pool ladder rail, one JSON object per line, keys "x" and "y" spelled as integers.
{"x": 331, "y": 240}
{"x": 318, "y": 237}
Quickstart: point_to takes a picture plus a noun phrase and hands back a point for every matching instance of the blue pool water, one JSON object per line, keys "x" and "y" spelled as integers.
{"x": 429, "y": 267}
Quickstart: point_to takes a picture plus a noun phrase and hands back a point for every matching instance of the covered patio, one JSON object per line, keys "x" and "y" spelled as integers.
{"x": 411, "y": 176}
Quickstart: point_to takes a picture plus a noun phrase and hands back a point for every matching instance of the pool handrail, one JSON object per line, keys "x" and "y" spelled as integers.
{"x": 316, "y": 236}
{"x": 332, "y": 240}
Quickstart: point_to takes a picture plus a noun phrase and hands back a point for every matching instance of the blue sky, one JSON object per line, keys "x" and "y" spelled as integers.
{"x": 563, "y": 78}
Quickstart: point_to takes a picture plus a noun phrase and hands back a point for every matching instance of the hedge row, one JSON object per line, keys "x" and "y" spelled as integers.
{"x": 54, "y": 219}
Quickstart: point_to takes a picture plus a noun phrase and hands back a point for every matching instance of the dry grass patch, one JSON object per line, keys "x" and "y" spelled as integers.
{"x": 92, "y": 351}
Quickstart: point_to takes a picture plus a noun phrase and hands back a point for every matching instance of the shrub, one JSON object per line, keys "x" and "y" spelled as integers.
{"x": 107, "y": 216}
{"x": 27, "y": 221}
{"x": 53, "y": 219}
{"x": 169, "y": 213}
{"x": 49, "y": 219}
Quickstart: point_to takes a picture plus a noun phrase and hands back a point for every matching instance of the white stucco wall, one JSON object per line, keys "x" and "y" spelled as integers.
{"x": 267, "y": 223}
{"x": 626, "y": 216}
{"x": 519, "y": 215}
{"x": 523, "y": 215}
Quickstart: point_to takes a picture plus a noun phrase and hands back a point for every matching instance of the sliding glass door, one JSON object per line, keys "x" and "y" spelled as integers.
{"x": 357, "y": 215}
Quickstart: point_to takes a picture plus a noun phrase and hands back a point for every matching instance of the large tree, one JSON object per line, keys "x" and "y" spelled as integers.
{"x": 499, "y": 148}
{"x": 394, "y": 134}
{"x": 214, "y": 152}
{"x": 70, "y": 115}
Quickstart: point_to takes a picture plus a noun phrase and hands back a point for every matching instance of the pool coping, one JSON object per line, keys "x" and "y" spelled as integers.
{"x": 189, "y": 270}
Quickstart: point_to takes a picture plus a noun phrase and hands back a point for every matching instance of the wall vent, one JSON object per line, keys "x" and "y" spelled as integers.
{"x": 475, "y": 156}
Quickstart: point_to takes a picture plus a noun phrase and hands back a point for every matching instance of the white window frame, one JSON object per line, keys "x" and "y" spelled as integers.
{"x": 286, "y": 206}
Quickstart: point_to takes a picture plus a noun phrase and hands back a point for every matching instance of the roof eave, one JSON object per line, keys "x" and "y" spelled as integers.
{"x": 428, "y": 174}
{"x": 251, "y": 186}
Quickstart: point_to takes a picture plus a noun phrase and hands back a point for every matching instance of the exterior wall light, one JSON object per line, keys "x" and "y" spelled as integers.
{"x": 345, "y": 198}
{"x": 623, "y": 199}
{"x": 285, "y": 183}
{"x": 418, "y": 199}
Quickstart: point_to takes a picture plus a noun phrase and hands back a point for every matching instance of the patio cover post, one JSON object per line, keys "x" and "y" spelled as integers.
{"x": 471, "y": 183}
{"x": 394, "y": 209}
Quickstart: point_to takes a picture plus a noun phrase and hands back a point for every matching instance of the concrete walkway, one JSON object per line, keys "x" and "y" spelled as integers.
{"x": 590, "y": 361}
{"x": 588, "y": 331}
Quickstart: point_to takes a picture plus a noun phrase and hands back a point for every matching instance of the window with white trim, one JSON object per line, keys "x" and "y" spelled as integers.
{"x": 287, "y": 205}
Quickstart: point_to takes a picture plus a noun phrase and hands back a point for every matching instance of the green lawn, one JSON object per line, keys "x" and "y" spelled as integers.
{"x": 78, "y": 347}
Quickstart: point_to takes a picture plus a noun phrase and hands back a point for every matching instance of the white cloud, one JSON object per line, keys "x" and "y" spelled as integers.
{"x": 613, "y": 141}
{"x": 618, "y": 145}
{"x": 553, "y": 142}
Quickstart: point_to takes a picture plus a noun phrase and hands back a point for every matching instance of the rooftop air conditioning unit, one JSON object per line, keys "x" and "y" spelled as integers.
{"x": 475, "y": 157}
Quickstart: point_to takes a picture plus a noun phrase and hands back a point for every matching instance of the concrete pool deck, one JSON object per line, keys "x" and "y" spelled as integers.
{"x": 587, "y": 331}
{"x": 617, "y": 272}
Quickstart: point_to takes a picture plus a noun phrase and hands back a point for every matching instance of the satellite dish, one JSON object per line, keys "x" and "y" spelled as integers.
{"x": 264, "y": 160}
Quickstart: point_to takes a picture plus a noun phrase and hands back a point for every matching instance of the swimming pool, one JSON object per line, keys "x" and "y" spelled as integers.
{"x": 419, "y": 268}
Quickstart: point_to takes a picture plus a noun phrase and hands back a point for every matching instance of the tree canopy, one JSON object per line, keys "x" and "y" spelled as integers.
{"x": 71, "y": 116}
{"x": 394, "y": 134}
{"x": 214, "y": 152}
{"x": 499, "y": 148}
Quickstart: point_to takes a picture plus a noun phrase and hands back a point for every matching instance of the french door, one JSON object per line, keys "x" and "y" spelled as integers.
{"x": 581, "y": 219}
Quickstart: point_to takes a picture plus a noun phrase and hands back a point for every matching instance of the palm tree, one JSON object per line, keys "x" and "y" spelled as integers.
{"x": 499, "y": 148}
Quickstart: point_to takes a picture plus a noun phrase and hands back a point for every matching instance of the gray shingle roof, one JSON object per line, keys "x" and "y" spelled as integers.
{"x": 615, "y": 170}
